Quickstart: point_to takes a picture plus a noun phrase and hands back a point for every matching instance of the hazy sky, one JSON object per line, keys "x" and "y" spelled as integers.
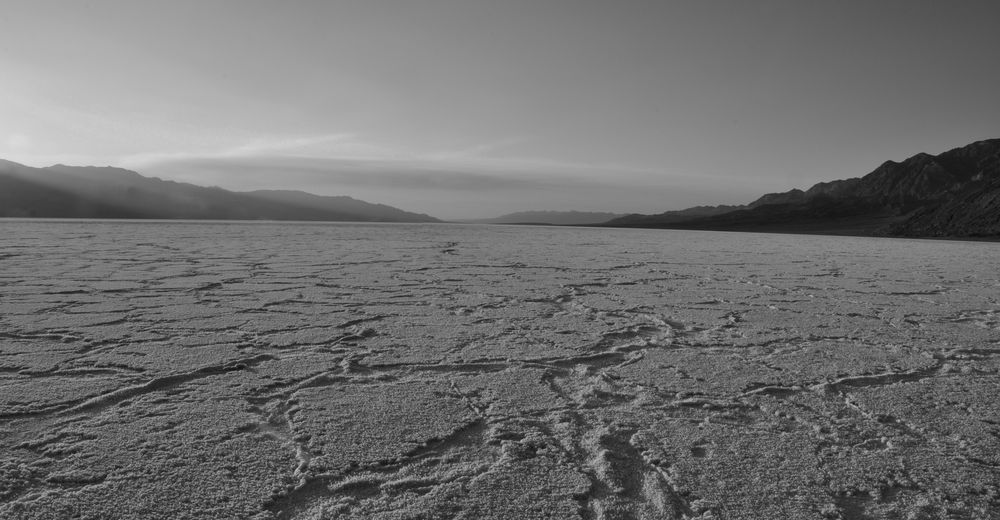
{"x": 465, "y": 108}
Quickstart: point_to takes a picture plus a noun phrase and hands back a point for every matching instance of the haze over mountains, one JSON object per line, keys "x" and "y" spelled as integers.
{"x": 91, "y": 192}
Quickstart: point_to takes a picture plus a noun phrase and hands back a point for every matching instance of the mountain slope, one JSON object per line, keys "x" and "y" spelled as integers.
{"x": 92, "y": 192}
{"x": 954, "y": 194}
{"x": 973, "y": 212}
{"x": 370, "y": 212}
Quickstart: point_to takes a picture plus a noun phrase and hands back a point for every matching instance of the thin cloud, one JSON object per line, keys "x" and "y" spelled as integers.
{"x": 289, "y": 172}
{"x": 281, "y": 144}
{"x": 342, "y": 153}
{"x": 344, "y": 145}
{"x": 476, "y": 151}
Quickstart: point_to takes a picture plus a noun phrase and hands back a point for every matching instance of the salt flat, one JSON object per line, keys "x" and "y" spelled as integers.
{"x": 292, "y": 371}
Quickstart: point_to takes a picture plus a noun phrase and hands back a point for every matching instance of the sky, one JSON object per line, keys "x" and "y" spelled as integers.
{"x": 475, "y": 108}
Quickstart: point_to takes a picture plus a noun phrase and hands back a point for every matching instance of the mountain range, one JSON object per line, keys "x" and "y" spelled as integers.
{"x": 954, "y": 194}
{"x": 104, "y": 192}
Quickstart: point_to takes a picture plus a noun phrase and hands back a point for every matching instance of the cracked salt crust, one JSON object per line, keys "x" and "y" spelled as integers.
{"x": 275, "y": 371}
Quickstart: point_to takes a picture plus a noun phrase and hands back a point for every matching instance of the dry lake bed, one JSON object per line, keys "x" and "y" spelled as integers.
{"x": 310, "y": 371}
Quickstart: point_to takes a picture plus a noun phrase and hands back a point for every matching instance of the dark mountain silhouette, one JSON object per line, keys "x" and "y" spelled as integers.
{"x": 556, "y": 218}
{"x": 103, "y": 192}
{"x": 670, "y": 217}
{"x": 954, "y": 194}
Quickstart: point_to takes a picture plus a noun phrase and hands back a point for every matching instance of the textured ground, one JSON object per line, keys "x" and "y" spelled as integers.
{"x": 175, "y": 371}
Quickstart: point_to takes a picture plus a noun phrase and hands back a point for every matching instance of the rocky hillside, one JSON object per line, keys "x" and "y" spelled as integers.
{"x": 91, "y": 192}
{"x": 954, "y": 194}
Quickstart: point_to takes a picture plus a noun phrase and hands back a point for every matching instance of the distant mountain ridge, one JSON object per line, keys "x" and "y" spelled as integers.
{"x": 557, "y": 218}
{"x": 104, "y": 192}
{"x": 669, "y": 217}
{"x": 954, "y": 194}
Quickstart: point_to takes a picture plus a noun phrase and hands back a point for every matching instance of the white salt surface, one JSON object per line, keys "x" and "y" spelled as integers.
{"x": 309, "y": 371}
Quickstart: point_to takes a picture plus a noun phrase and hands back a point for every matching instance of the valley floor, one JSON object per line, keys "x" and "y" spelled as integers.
{"x": 280, "y": 371}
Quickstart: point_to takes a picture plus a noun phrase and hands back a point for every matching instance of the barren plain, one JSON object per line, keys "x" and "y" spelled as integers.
{"x": 170, "y": 370}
